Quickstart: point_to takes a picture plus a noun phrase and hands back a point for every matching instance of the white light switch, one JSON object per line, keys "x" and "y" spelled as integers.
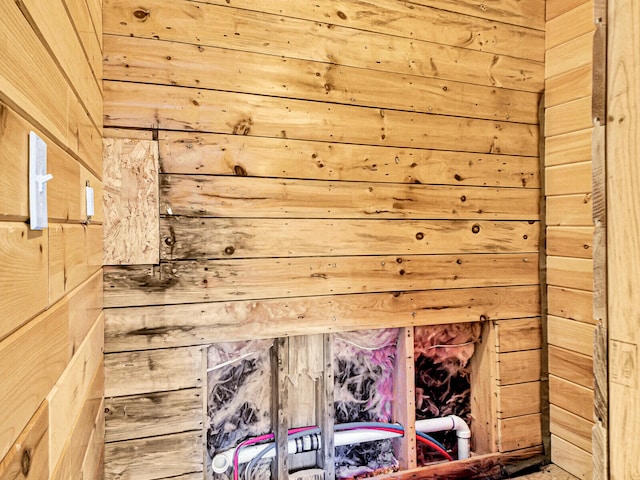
{"x": 38, "y": 178}
{"x": 91, "y": 209}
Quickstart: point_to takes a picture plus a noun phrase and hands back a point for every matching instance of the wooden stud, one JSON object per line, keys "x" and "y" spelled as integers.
{"x": 484, "y": 392}
{"x": 404, "y": 401}
{"x": 326, "y": 455}
{"x": 280, "y": 407}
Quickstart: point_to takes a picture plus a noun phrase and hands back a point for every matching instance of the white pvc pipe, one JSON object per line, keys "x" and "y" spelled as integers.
{"x": 452, "y": 422}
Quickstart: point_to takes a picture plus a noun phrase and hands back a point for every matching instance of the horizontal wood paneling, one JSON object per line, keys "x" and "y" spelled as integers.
{"x": 575, "y": 53}
{"x": 572, "y": 397}
{"x": 574, "y": 210}
{"x": 571, "y": 24}
{"x": 519, "y": 399}
{"x": 568, "y": 148}
{"x": 572, "y": 85}
{"x": 520, "y": 432}
{"x": 572, "y": 335}
{"x": 519, "y": 367}
{"x": 521, "y": 334}
{"x": 571, "y": 458}
{"x": 570, "y": 303}
{"x": 570, "y": 242}
{"x": 570, "y": 427}
{"x": 570, "y": 272}
{"x": 568, "y": 179}
{"x": 572, "y": 366}
{"x": 556, "y": 8}
{"x": 568, "y": 117}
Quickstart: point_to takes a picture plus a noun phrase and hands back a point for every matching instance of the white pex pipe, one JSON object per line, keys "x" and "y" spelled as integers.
{"x": 222, "y": 461}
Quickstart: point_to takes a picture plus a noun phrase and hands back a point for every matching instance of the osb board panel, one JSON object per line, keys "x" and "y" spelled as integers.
{"x": 189, "y": 238}
{"x": 130, "y": 202}
{"x": 152, "y": 414}
{"x": 408, "y": 20}
{"x": 172, "y": 63}
{"x": 571, "y": 428}
{"x": 155, "y": 458}
{"x": 183, "y": 325}
{"x": 570, "y": 272}
{"x": 519, "y": 399}
{"x": 572, "y": 210}
{"x": 150, "y": 371}
{"x": 569, "y": 86}
{"x": 173, "y": 108}
{"x": 568, "y": 179}
{"x": 23, "y": 274}
{"x": 38, "y": 352}
{"x": 520, "y": 432}
{"x": 214, "y": 154}
{"x": 219, "y": 280}
{"x": 224, "y": 27}
{"x": 520, "y": 334}
{"x": 570, "y": 242}
{"x": 32, "y": 444}
{"x": 572, "y": 366}
{"x": 568, "y": 148}
{"x": 570, "y": 25}
{"x": 572, "y": 397}
{"x": 204, "y": 195}
{"x": 571, "y": 458}
{"x": 519, "y": 367}
{"x": 569, "y": 334}
{"x": 570, "y": 303}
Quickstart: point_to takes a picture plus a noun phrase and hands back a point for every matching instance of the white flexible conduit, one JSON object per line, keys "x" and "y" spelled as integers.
{"x": 222, "y": 461}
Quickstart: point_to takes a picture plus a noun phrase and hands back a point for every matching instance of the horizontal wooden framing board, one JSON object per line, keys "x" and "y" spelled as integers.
{"x": 193, "y": 153}
{"x": 571, "y": 458}
{"x": 155, "y": 458}
{"x": 571, "y": 396}
{"x": 23, "y": 274}
{"x": 570, "y": 242}
{"x": 570, "y": 427}
{"x": 172, "y": 63}
{"x": 569, "y": 334}
{"x": 153, "y": 414}
{"x": 571, "y": 210}
{"x": 572, "y": 366}
{"x": 569, "y": 86}
{"x": 220, "y": 26}
{"x": 175, "y": 108}
{"x": 141, "y": 328}
{"x": 33, "y": 358}
{"x": 409, "y": 20}
{"x": 570, "y": 272}
{"x": 568, "y": 148}
{"x": 518, "y": 334}
{"x": 570, "y": 303}
{"x": 134, "y": 373}
{"x": 519, "y": 367}
{"x": 519, "y": 432}
{"x": 568, "y": 117}
{"x": 210, "y": 196}
{"x": 219, "y": 280}
{"x": 568, "y": 179}
{"x": 570, "y": 25}
{"x": 569, "y": 55}
{"x": 190, "y": 238}
{"x": 519, "y": 399}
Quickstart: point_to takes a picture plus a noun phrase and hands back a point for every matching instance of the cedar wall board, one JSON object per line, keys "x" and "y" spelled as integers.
{"x": 322, "y": 168}
{"x": 51, "y": 280}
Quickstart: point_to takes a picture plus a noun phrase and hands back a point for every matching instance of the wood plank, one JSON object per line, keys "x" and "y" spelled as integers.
{"x": 519, "y": 399}
{"x": 568, "y": 117}
{"x": 571, "y": 458}
{"x": 83, "y": 24}
{"x": 573, "y": 210}
{"x": 66, "y": 400}
{"x": 568, "y": 148}
{"x": 131, "y": 202}
{"x": 207, "y": 196}
{"x": 572, "y": 366}
{"x": 152, "y": 414}
{"x": 280, "y": 407}
{"x": 23, "y": 274}
{"x": 173, "y": 63}
{"x": 182, "y": 325}
{"x": 570, "y": 242}
{"x": 556, "y": 8}
{"x": 568, "y": 179}
{"x": 569, "y": 25}
{"x": 484, "y": 388}
{"x": 570, "y": 272}
{"x": 38, "y": 352}
{"x": 175, "y": 108}
{"x": 408, "y": 20}
{"x": 404, "y": 403}
{"x": 29, "y": 455}
{"x": 326, "y": 455}
{"x": 519, "y": 367}
{"x": 128, "y": 133}
{"x": 572, "y": 397}
{"x": 151, "y": 371}
{"x": 519, "y": 432}
{"x": 217, "y": 280}
{"x": 194, "y": 153}
{"x": 224, "y": 27}
{"x": 154, "y": 458}
{"x": 95, "y": 10}
{"x": 189, "y": 238}
{"x": 85, "y": 306}
{"x": 91, "y": 465}
{"x": 572, "y": 335}
{"x": 571, "y": 428}
{"x": 569, "y": 55}
{"x": 519, "y": 334}
{"x": 569, "y": 86}
{"x": 570, "y": 303}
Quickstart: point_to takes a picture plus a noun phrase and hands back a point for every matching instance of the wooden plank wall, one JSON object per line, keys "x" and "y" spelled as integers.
{"x": 323, "y": 166}
{"x": 51, "y": 321}
{"x": 568, "y": 188}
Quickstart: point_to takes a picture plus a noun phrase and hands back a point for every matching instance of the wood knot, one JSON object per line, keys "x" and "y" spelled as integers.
{"x": 483, "y": 318}
{"x": 238, "y": 170}
{"x": 475, "y": 228}
{"x": 229, "y": 250}
{"x": 25, "y": 462}
{"x": 142, "y": 15}
{"x": 341, "y": 15}
{"x": 463, "y": 198}
{"x": 419, "y": 236}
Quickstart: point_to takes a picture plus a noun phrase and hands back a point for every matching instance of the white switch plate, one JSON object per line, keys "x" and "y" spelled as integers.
{"x": 38, "y": 179}
{"x": 91, "y": 209}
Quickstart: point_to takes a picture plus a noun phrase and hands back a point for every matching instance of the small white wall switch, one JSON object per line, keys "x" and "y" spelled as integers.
{"x": 38, "y": 178}
{"x": 91, "y": 210}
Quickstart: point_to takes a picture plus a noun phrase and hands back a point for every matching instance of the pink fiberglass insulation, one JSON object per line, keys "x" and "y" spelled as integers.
{"x": 364, "y": 364}
{"x": 238, "y": 397}
{"x": 442, "y": 355}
